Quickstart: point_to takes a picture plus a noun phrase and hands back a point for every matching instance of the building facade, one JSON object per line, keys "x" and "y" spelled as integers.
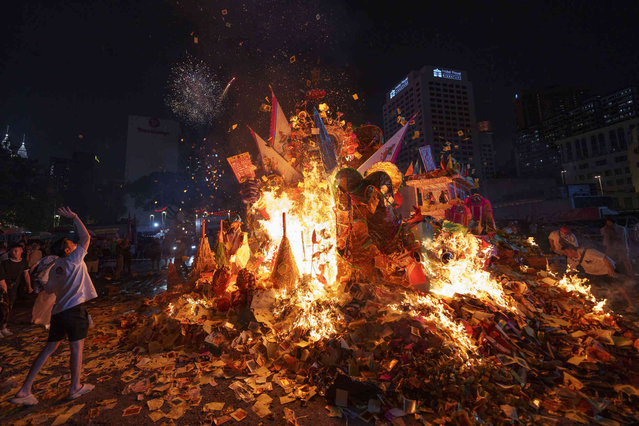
{"x": 532, "y": 107}
{"x": 152, "y": 145}
{"x": 541, "y": 121}
{"x": 558, "y": 145}
{"x": 485, "y": 139}
{"x": 602, "y": 157}
{"x": 444, "y": 102}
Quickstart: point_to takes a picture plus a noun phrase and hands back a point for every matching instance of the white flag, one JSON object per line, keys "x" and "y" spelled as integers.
{"x": 388, "y": 151}
{"x": 280, "y": 129}
{"x": 274, "y": 161}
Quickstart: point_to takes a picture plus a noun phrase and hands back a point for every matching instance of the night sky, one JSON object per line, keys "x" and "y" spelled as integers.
{"x": 78, "y": 67}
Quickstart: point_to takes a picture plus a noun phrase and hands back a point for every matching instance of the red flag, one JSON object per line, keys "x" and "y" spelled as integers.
{"x": 441, "y": 163}
{"x": 409, "y": 171}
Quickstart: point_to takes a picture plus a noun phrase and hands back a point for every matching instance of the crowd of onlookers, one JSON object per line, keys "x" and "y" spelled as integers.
{"x": 108, "y": 256}
{"x": 22, "y": 261}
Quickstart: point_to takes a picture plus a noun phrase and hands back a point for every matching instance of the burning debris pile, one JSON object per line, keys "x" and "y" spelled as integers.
{"x": 333, "y": 293}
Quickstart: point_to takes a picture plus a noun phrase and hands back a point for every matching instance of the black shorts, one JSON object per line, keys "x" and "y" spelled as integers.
{"x": 72, "y": 323}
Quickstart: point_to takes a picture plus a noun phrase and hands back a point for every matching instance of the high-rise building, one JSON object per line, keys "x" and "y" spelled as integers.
{"x": 541, "y": 120}
{"x": 537, "y": 154}
{"x": 444, "y": 103}
{"x": 596, "y": 146}
{"x": 74, "y": 180}
{"x": 619, "y": 106}
{"x": 486, "y": 144}
{"x": 151, "y": 146}
{"x": 532, "y": 107}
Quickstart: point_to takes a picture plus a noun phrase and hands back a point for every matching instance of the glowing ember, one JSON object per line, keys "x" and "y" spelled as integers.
{"x": 309, "y": 211}
{"x": 573, "y": 284}
{"x": 464, "y": 273}
{"x": 434, "y": 312}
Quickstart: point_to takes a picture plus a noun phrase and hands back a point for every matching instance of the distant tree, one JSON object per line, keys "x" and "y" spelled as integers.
{"x": 158, "y": 189}
{"x": 25, "y": 199}
{"x": 107, "y": 204}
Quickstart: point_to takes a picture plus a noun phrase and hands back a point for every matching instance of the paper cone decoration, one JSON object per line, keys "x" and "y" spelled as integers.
{"x": 284, "y": 273}
{"x": 243, "y": 254}
{"x": 204, "y": 259}
{"x": 220, "y": 249}
{"x": 409, "y": 171}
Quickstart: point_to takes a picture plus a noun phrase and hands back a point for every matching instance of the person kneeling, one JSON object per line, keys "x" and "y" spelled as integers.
{"x": 594, "y": 262}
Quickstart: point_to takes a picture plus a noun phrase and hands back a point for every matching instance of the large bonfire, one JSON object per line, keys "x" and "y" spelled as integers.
{"x": 328, "y": 302}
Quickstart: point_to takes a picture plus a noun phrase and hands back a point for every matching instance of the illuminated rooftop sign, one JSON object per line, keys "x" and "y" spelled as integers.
{"x": 449, "y": 74}
{"x": 401, "y": 86}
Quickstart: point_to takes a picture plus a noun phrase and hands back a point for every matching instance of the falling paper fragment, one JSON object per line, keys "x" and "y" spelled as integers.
{"x": 156, "y": 415}
{"x": 239, "y": 414}
{"x": 213, "y": 406}
{"x": 155, "y": 404}
{"x": 131, "y": 410}
{"x": 510, "y": 411}
{"x": 64, "y": 418}
{"x": 355, "y": 96}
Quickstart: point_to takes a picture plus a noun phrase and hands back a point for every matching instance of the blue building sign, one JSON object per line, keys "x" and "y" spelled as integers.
{"x": 401, "y": 86}
{"x": 449, "y": 74}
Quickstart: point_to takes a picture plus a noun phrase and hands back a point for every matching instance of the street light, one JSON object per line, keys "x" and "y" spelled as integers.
{"x": 598, "y": 177}
{"x": 563, "y": 176}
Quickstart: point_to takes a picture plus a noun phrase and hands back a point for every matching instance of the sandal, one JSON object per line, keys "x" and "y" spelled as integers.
{"x": 86, "y": 388}
{"x": 24, "y": 400}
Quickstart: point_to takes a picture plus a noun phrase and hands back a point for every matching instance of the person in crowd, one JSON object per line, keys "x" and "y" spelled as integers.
{"x": 4, "y": 252}
{"x": 46, "y": 248}
{"x": 126, "y": 256}
{"x": 69, "y": 280}
{"x": 615, "y": 239}
{"x": 92, "y": 259}
{"x": 166, "y": 252}
{"x": 119, "y": 259}
{"x": 593, "y": 262}
{"x": 155, "y": 252}
{"x": 14, "y": 272}
{"x": 180, "y": 254}
{"x": 562, "y": 237}
{"x": 34, "y": 255}
{"x": 512, "y": 228}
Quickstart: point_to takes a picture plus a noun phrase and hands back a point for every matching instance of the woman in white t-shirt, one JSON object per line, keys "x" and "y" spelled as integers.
{"x": 69, "y": 280}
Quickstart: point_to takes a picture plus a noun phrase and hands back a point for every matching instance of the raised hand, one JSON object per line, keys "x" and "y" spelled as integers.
{"x": 67, "y": 212}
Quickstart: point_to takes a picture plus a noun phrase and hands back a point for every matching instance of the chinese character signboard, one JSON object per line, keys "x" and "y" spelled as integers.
{"x": 427, "y": 158}
{"x": 242, "y": 166}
